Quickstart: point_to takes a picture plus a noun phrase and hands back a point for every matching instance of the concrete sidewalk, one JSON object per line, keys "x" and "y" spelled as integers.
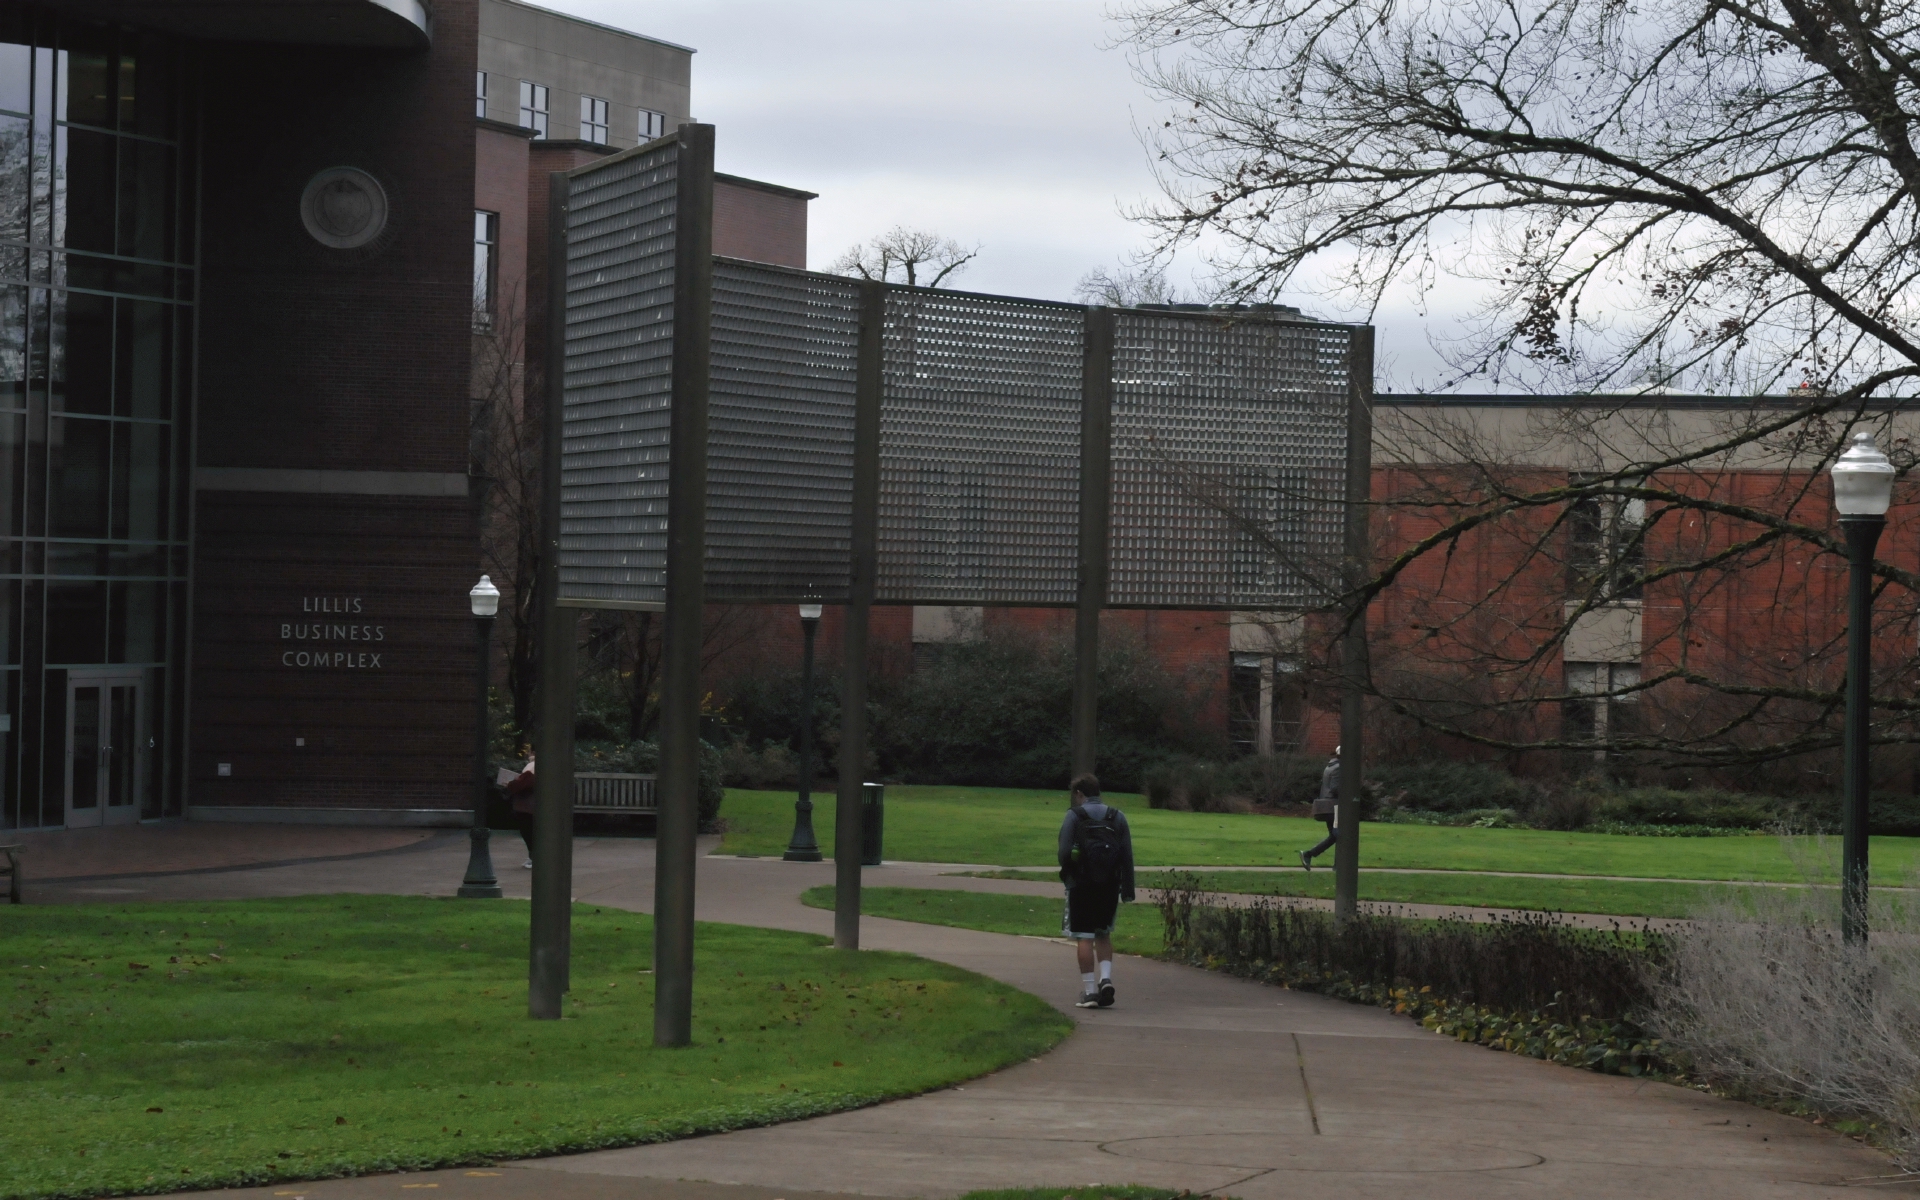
{"x": 172, "y": 847}
{"x": 1194, "y": 1080}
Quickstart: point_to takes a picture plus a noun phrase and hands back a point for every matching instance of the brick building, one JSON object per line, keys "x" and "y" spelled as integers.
{"x": 236, "y": 376}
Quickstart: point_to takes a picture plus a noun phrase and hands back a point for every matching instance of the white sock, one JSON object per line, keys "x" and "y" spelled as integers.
{"x": 1086, "y": 977}
{"x": 1106, "y": 970}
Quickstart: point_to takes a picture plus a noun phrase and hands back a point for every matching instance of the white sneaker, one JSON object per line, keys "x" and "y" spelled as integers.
{"x": 527, "y": 865}
{"x": 1090, "y": 1000}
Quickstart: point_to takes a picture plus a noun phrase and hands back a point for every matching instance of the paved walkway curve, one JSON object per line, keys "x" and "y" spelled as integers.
{"x": 1194, "y": 1080}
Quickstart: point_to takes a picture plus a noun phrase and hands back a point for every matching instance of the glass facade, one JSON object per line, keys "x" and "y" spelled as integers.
{"x": 96, "y": 333}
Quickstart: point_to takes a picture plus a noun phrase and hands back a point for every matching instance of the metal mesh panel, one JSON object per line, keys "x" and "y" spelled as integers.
{"x": 619, "y": 363}
{"x": 1224, "y": 426}
{"x": 979, "y": 450}
{"x": 780, "y": 445}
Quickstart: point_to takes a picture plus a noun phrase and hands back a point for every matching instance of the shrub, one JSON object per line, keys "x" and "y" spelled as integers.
{"x": 1530, "y": 983}
{"x": 1450, "y": 787}
{"x": 643, "y": 758}
{"x": 1561, "y": 810}
{"x": 771, "y": 765}
{"x": 1518, "y": 963}
{"x": 997, "y": 712}
{"x": 1703, "y": 806}
{"x": 1766, "y": 999}
{"x": 994, "y": 712}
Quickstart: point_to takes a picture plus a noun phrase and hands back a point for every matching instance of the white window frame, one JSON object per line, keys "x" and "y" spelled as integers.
{"x": 536, "y": 100}
{"x": 593, "y": 120}
{"x": 1602, "y": 685}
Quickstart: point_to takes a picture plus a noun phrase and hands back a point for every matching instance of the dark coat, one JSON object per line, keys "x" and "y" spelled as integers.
{"x": 1327, "y": 802}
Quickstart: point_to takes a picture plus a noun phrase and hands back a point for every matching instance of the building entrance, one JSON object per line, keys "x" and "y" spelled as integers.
{"x": 106, "y": 747}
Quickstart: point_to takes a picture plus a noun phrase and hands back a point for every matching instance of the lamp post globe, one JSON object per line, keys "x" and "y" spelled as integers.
{"x": 484, "y": 599}
{"x": 803, "y": 846}
{"x": 1862, "y": 492}
{"x": 484, "y": 602}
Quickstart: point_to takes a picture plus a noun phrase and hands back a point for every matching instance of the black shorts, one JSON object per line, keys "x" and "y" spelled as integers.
{"x": 1091, "y": 909}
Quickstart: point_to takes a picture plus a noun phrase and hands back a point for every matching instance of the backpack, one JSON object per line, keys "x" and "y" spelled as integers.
{"x": 1099, "y": 858}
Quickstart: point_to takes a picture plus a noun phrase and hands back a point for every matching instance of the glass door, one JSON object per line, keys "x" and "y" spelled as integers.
{"x": 105, "y": 740}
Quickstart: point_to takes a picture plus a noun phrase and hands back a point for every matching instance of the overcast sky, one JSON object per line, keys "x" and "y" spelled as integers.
{"x": 1006, "y": 124}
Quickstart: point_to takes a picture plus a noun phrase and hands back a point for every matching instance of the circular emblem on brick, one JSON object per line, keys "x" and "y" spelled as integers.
{"x": 344, "y": 207}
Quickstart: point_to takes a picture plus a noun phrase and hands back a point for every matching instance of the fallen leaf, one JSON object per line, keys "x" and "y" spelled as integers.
{"x": 838, "y": 1063}
{"x": 156, "y": 1108}
{"x": 137, "y": 966}
{"x": 339, "y": 1120}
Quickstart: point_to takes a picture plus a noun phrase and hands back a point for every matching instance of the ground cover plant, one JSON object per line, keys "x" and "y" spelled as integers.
{"x": 195, "y": 1045}
{"x": 1528, "y": 983}
{"x": 1136, "y": 931}
{"x": 1607, "y": 897}
{"x": 1016, "y": 827}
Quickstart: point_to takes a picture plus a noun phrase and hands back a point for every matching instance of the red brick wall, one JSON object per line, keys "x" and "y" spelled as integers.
{"x": 1775, "y": 615}
{"x": 313, "y": 358}
{"x": 760, "y": 225}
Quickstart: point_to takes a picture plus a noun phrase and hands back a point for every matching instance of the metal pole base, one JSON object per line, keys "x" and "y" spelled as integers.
{"x": 480, "y": 883}
{"x": 803, "y": 846}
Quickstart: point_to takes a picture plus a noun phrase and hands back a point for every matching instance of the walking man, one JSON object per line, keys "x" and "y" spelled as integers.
{"x": 1326, "y": 807}
{"x": 1096, "y": 864}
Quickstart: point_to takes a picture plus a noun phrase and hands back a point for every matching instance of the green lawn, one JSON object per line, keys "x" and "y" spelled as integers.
{"x": 167, "y": 1046}
{"x": 1137, "y": 931}
{"x": 1015, "y": 827}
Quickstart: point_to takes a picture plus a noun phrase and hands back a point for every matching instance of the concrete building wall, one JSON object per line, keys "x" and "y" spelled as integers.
{"x": 574, "y": 57}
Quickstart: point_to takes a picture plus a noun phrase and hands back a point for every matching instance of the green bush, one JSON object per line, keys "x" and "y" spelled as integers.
{"x": 1196, "y": 785}
{"x": 992, "y": 713}
{"x": 1450, "y": 787}
{"x": 643, "y": 758}
{"x": 1700, "y": 806}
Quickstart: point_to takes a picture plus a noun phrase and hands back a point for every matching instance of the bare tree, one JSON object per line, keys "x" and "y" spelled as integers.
{"x": 1717, "y": 196}
{"x": 505, "y": 451}
{"x": 629, "y": 647}
{"x": 1127, "y": 287}
{"x": 911, "y": 256}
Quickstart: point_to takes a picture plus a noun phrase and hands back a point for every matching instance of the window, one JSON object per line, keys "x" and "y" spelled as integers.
{"x": 593, "y": 120}
{"x": 1265, "y": 706}
{"x": 652, "y": 125}
{"x": 1605, "y": 550}
{"x": 486, "y": 266}
{"x": 533, "y": 107}
{"x": 1598, "y": 707}
{"x": 480, "y": 94}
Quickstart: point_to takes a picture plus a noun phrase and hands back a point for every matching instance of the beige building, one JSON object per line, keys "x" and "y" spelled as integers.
{"x": 566, "y": 79}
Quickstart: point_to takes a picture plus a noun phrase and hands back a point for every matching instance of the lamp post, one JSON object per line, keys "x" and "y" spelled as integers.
{"x": 1862, "y": 489}
{"x": 803, "y": 847}
{"x": 480, "y": 883}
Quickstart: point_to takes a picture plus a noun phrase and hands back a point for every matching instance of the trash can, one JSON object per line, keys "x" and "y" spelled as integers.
{"x": 873, "y": 808}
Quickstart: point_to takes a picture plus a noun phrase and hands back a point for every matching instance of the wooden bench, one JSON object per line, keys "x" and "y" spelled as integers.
{"x": 604, "y": 792}
{"x": 12, "y": 868}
